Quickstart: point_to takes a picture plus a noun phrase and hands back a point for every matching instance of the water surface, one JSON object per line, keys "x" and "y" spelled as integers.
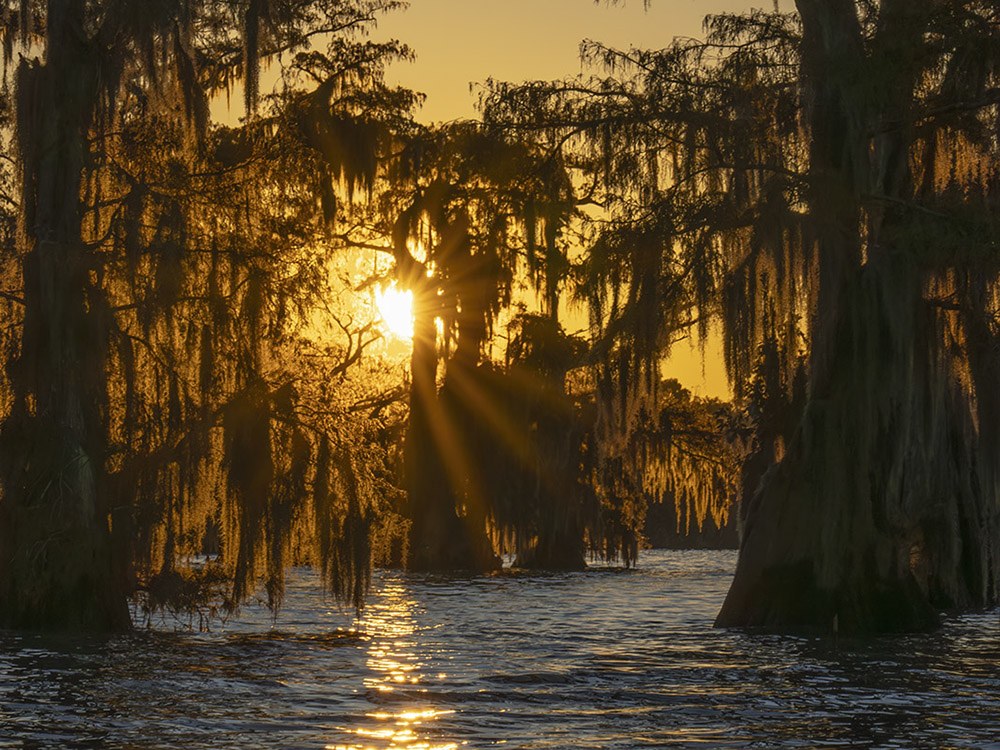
{"x": 606, "y": 658}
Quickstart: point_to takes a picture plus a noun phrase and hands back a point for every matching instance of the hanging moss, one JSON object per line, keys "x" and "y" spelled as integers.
{"x": 161, "y": 387}
{"x": 472, "y": 203}
{"x": 824, "y": 185}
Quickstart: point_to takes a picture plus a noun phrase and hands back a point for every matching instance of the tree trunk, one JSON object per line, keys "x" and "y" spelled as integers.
{"x": 437, "y": 468}
{"x": 56, "y": 558}
{"x": 884, "y": 508}
{"x": 555, "y": 490}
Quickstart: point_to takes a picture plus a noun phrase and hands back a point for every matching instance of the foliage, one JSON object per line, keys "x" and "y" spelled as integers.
{"x": 529, "y": 450}
{"x": 824, "y": 182}
{"x": 671, "y": 448}
{"x": 477, "y": 212}
{"x": 650, "y": 271}
{"x": 211, "y": 420}
{"x": 469, "y": 205}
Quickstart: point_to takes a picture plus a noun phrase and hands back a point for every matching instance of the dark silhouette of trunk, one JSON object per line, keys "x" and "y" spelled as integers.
{"x": 559, "y": 498}
{"x": 554, "y": 488}
{"x": 884, "y": 508}
{"x": 57, "y": 563}
{"x": 437, "y": 466}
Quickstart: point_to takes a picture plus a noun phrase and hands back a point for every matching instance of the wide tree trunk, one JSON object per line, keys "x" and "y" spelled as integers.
{"x": 878, "y": 514}
{"x": 884, "y": 508}
{"x": 437, "y": 467}
{"x": 555, "y": 492}
{"x": 57, "y": 567}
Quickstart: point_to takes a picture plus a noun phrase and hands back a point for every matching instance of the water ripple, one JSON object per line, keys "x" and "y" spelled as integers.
{"x": 598, "y": 659}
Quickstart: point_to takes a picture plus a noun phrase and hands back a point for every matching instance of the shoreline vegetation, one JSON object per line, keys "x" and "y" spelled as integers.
{"x": 195, "y": 362}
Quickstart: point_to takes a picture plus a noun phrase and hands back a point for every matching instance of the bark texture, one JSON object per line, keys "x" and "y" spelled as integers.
{"x": 57, "y": 562}
{"x": 884, "y": 509}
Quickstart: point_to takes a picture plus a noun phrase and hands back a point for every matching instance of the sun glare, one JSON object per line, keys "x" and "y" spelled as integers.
{"x": 395, "y": 306}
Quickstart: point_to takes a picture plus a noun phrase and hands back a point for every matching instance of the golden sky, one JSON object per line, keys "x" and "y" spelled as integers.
{"x": 463, "y": 42}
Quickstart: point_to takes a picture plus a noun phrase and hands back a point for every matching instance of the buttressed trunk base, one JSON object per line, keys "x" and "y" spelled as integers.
{"x": 884, "y": 509}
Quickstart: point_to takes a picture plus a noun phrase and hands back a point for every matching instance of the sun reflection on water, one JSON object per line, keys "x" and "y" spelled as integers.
{"x": 396, "y": 681}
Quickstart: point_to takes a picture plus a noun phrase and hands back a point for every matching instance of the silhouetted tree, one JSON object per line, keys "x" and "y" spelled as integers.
{"x": 471, "y": 205}
{"x": 541, "y": 508}
{"x": 648, "y": 279}
{"x": 832, "y": 174}
{"x": 887, "y": 494}
{"x": 164, "y": 274}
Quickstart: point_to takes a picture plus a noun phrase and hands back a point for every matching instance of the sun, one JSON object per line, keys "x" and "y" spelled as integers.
{"x": 395, "y": 306}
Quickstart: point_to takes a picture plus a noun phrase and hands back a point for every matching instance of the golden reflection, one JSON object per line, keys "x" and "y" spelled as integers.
{"x": 396, "y": 682}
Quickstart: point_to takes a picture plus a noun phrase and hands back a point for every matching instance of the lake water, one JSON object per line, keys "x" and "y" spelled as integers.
{"x": 605, "y": 658}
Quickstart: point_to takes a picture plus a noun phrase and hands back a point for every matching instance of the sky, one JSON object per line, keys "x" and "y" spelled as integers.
{"x": 463, "y": 42}
{"x": 459, "y": 42}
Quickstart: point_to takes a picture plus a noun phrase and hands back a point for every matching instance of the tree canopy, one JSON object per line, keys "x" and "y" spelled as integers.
{"x": 823, "y": 183}
{"x": 194, "y": 398}
{"x": 162, "y": 391}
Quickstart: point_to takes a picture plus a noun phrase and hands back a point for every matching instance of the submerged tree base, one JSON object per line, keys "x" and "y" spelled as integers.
{"x": 557, "y": 558}
{"x": 58, "y": 578}
{"x": 883, "y": 510}
{"x": 788, "y": 599}
{"x": 450, "y": 545}
{"x": 58, "y": 565}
